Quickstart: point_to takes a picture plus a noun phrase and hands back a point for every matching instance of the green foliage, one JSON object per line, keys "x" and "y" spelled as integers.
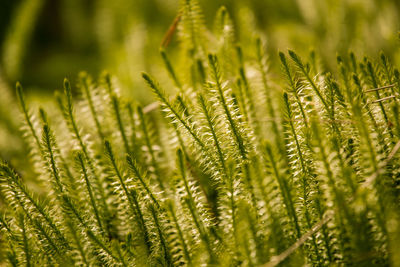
{"x": 236, "y": 168}
{"x": 19, "y": 33}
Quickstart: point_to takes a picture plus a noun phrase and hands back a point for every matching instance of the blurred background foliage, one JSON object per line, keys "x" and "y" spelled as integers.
{"x": 43, "y": 41}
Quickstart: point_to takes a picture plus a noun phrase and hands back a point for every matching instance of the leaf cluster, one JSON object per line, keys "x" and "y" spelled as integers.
{"x": 233, "y": 168}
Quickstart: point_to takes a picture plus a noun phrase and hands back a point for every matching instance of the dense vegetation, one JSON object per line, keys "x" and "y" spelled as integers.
{"x": 232, "y": 165}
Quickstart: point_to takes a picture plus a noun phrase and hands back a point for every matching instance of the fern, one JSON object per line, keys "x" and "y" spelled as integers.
{"x": 221, "y": 171}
